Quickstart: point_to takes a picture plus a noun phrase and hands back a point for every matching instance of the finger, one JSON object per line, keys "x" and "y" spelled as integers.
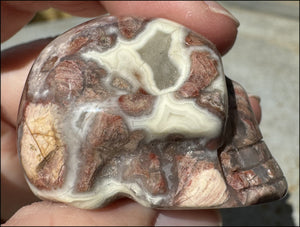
{"x": 16, "y": 14}
{"x": 255, "y": 104}
{"x": 188, "y": 218}
{"x": 120, "y": 213}
{"x": 15, "y": 192}
{"x": 15, "y": 66}
{"x": 211, "y": 20}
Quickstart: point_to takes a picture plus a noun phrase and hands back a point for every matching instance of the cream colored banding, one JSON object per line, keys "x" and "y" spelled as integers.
{"x": 125, "y": 59}
{"x": 177, "y": 116}
{"x": 170, "y": 115}
{"x": 106, "y": 189}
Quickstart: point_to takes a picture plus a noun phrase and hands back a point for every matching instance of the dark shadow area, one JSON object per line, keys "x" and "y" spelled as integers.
{"x": 278, "y": 213}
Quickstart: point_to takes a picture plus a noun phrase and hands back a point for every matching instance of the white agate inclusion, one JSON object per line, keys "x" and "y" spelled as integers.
{"x": 177, "y": 116}
{"x": 170, "y": 115}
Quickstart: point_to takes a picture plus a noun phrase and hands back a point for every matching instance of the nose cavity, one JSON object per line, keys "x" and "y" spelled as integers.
{"x": 156, "y": 54}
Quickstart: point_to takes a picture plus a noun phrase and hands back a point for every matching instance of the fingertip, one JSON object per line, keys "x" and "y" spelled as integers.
{"x": 189, "y": 218}
{"x": 255, "y": 104}
{"x": 215, "y": 25}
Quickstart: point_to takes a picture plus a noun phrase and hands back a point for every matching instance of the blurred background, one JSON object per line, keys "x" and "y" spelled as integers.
{"x": 265, "y": 60}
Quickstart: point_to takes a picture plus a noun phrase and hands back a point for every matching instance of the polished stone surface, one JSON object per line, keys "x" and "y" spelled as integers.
{"x": 256, "y": 17}
{"x": 101, "y": 117}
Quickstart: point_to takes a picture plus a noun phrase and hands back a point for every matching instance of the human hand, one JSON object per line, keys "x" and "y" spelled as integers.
{"x": 209, "y": 21}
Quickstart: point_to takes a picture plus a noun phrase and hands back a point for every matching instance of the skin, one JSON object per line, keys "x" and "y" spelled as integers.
{"x": 18, "y": 205}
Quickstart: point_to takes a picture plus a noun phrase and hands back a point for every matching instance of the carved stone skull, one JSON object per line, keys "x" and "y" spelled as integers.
{"x": 141, "y": 108}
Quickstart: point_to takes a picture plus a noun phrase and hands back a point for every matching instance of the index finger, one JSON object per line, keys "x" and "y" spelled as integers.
{"x": 206, "y": 18}
{"x": 209, "y": 18}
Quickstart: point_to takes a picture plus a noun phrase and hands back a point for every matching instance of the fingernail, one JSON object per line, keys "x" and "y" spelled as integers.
{"x": 257, "y": 98}
{"x": 217, "y": 8}
{"x": 189, "y": 218}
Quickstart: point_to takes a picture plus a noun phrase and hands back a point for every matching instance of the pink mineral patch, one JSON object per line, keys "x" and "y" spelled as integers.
{"x": 141, "y": 108}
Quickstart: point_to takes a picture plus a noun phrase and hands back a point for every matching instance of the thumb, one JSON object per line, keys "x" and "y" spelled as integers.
{"x": 188, "y": 218}
{"x": 122, "y": 212}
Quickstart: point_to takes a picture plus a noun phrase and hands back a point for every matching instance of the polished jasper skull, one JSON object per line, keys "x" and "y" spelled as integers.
{"x": 141, "y": 108}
